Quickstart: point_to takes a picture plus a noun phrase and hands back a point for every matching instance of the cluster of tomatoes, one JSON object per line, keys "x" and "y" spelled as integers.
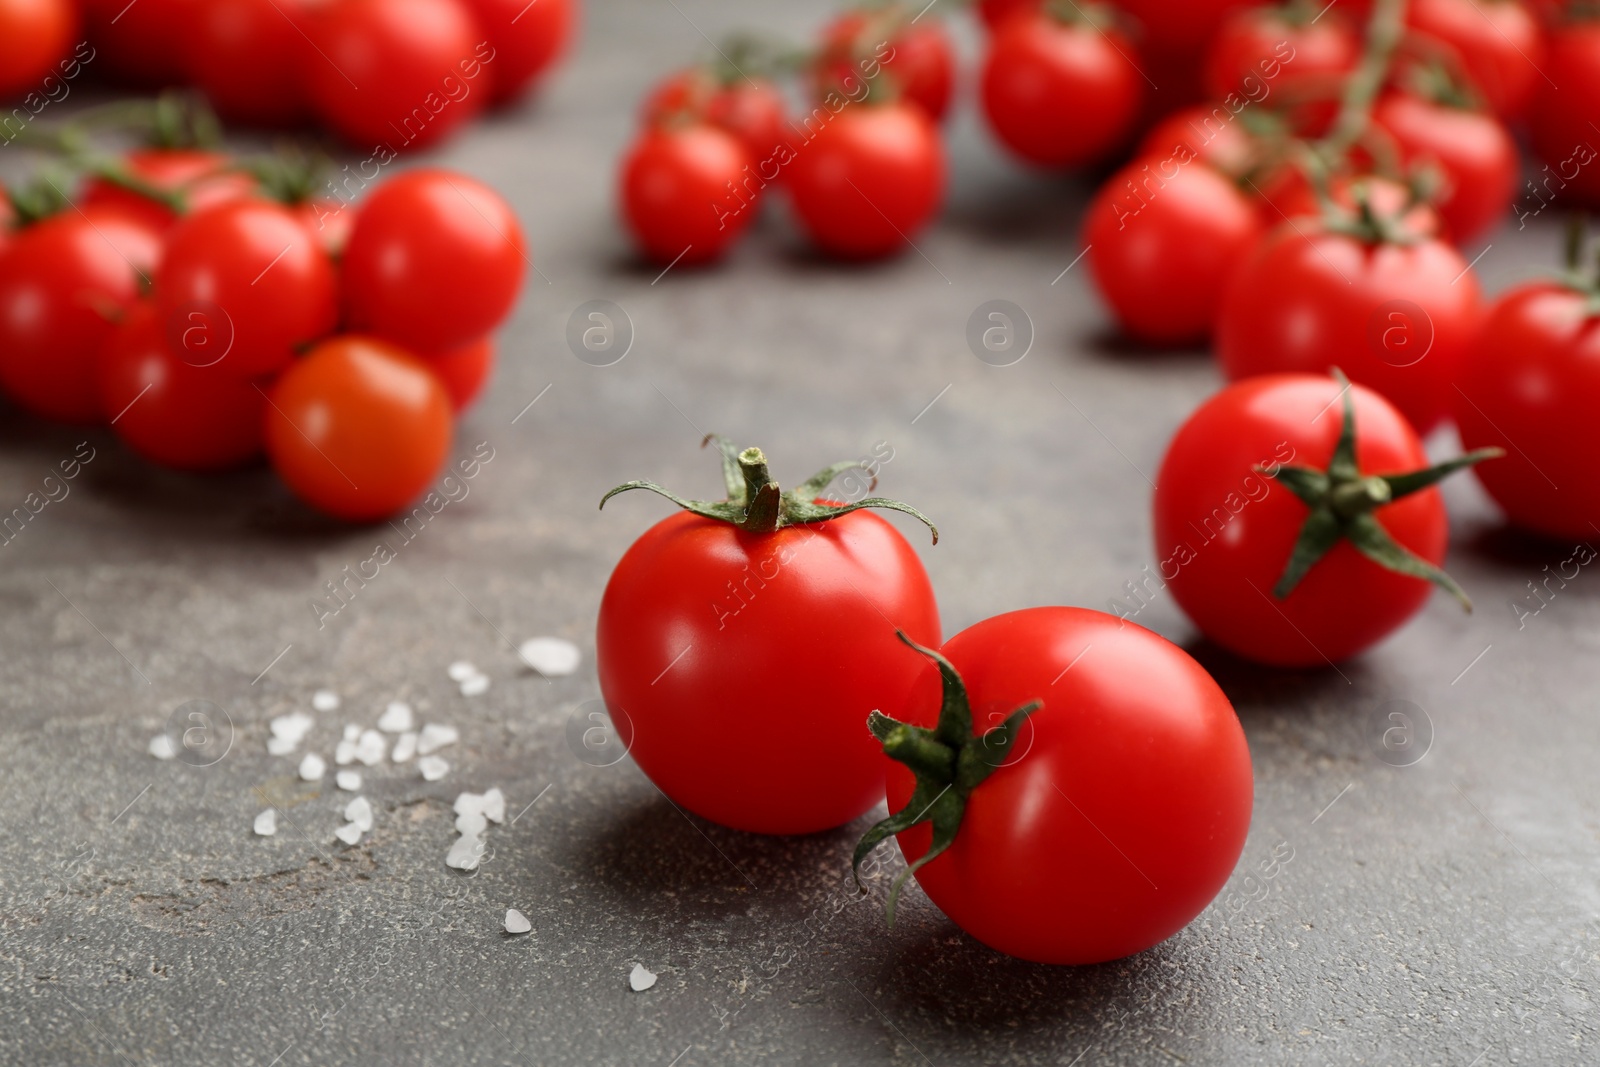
{"x": 397, "y": 73}
{"x": 208, "y": 315}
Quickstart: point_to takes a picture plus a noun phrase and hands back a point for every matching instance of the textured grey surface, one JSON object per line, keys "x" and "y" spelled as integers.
{"x": 1441, "y": 913}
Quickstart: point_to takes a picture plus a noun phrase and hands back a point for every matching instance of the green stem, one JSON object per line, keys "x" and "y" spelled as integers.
{"x": 1384, "y": 31}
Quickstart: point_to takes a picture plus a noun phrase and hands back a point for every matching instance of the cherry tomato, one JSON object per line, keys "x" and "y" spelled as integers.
{"x": 1119, "y": 810}
{"x": 687, "y": 193}
{"x": 330, "y": 222}
{"x": 358, "y": 428}
{"x": 250, "y": 58}
{"x": 204, "y": 178}
{"x": 1474, "y": 152}
{"x": 1162, "y": 236}
{"x": 701, "y": 614}
{"x": 64, "y": 283}
{"x": 869, "y": 180}
{"x": 1060, "y": 93}
{"x": 435, "y": 260}
{"x": 1496, "y": 43}
{"x": 527, "y": 39}
{"x": 916, "y": 53}
{"x": 142, "y": 42}
{"x": 1396, "y": 315}
{"x": 1287, "y": 194}
{"x": 397, "y": 73}
{"x": 751, "y": 109}
{"x": 1279, "y": 50}
{"x": 464, "y": 371}
{"x": 1173, "y": 39}
{"x": 1207, "y": 131}
{"x": 251, "y": 272}
{"x": 35, "y": 35}
{"x": 1564, "y": 116}
{"x": 1224, "y": 532}
{"x": 171, "y": 410}
{"x": 1529, "y": 384}
{"x": 995, "y": 13}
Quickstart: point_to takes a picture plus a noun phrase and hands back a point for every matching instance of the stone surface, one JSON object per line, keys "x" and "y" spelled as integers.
{"x": 1441, "y": 913}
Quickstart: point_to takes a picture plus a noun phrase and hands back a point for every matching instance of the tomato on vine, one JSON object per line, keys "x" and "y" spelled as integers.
{"x": 250, "y": 57}
{"x": 687, "y": 193}
{"x": 1473, "y": 152}
{"x": 34, "y": 36}
{"x": 200, "y": 177}
{"x": 1497, "y": 44}
{"x": 1298, "y": 51}
{"x": 1564, "y": 115}
{"x": 527, "y": 39}
{"x": 749, "y": 107}
{"x": 464, "y": 371}
{"x": 895, "y": 39}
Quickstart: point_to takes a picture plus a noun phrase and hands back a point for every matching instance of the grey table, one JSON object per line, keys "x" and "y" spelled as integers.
{"x": 1437, "y": 913}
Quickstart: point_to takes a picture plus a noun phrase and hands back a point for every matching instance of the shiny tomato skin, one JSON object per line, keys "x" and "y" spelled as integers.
{"x": 675, "y": 195}
{"x": 171, "y": 412}
{"x": 204, "y": 178}
{"x": 1160, "y": 248}
{"x": 1477, "y": 156}
{"x": 786, "y": 643}
{"x": 254, "y": 263}
{"x": 751, "y": 109}
{"x": 1224, "y": 533}
{"x": 1304, "y": 59}
{"x": 919, "y": 57}
{"x": 1123, "y": 807}
{"x": 139, "y": 43}
{"x": 250, "y": 57}
{"x": 1286, "y": 194}
{"x": 358, "y": 428}
{"x": 1498, "y": 44}
{"x": 34, "y": 36}
{"x": 1207, "y": 131}
{"x": 995, "y": 13}
{"x": 464, "y": 371}
{"x": 1307, "y": 300}
{"x": 1173, "y": 35}
{"x": 1530, "y": 384}
{"x": 397, "y": 73}
{"x": 64, "y": 283}
{"x": 435, "y": 259}
{"x": 1564, "y": 116}
{"x": 1060, "y": 94}
{"x": 869, "y": 180}
{"x": 527, "y": 39}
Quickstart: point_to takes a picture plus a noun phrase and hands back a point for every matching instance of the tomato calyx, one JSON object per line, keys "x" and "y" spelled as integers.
{"x": 1343, "y": 501}
{"x": 757, "y": 504}
{"x": 1581, "y": 279}
{"x": 949, "y": 762}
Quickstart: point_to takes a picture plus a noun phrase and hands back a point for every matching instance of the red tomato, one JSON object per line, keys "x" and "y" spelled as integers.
{"x": 868, "y": 180}
{"x": 1530, "y": 384}
{"x": 1210, "y": 132}
{"x": 1395, "y": 316}
{"x": 1477, "y": 156}
{"x": 251, "y": 270}
{"x": 1060, "y": 93}
{"x": 170, "y": 411}
{"x": 435, "y": 260}
{"x": 1277, "y": 50}
{"x": 204, "y": 178}
{"x": 1162, "y": 236}
{"x": 687, "y": 192}
{"x": 1565, "y": 115}
{"x": 358, "y": 428}
{"x": 1116, "y": 815}
{"x": 141, "y": 42}
{"x": 250, "y": 57}
{"x": 751, "y": 109}
{"x": 783, "y": 605}
{"x": 995, "y": 13}
{"x": 1173, "y": 39}
{"x": 35, "y": 35}
{"x": 64, "y": 282}
{"x": 527, "y": 36}
{"x": 1224, "y": 532}
{"x": 916, "y": 54}
{"x": 397, "y": 74}
{"x": 1497, "y": 44}
{"x": 464, "y": 371}
{"x": 1287, "y": 194}
{"x": 330, "y": 222}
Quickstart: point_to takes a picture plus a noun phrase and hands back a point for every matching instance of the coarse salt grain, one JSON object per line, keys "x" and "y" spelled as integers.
{"x": 344, "y": 752}
{"x": 405, "y": 746}
{"x": 325, "y": 700}
{"x": 516, "y": 922}
{"x": 461, "y": 670}
{"x": 351, "y": 731}
{"x": 434, "y": 737}
{"x": 312, "y": 767}
{"x": 465, "y": 853}
{"x": 349, "y": 833}
{"x": 282, "y": 746}
{"x": 372, "y": 747}
{"x": 433, "y": 768}
{"x": 267, "y": 823}
{"x": 162, "y": 747}
{"x": 349, "y": 781}
{"x": 396, "y": 718}
{"x": 640, "y": 979}
{"x": 293, "y": 726}
{"x": 477, "y": 685}
{"x": 359, "y": 811}
{"x": 491, "y": 805}
{"x": 550, "y": 656}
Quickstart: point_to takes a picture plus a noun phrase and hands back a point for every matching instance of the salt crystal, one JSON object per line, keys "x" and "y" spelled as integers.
{"x": 461, "y": 670}
{"x": 491, "y": 805}
{"x": 161, "y": 747}
{"x": 349, "y": 833}
{"x": 349, "y": 781}
{"x": 550, "y": 656}
{"x": 396, "y": 718}
{"x": 359, "y": 811}
{"x": 325, "y": 700}
{"x": 433, "y": 768}
{"x": 516, "y": 922}
{"x": 477, "y": 685}
{"x": 471, "y": 823}
{"x": 434, "y": 737}
{"x": 465, "y": 853}
{"x": 351, "y": 731}
{"x": 293, "y": 726}
{"x": 344, "y": 752}
{"x": 640, "y": 979}
{"x": 267, "y": 823}
{"x": 282, "y": 746}
{"x": 312, "y": 767}
{"x": 371, "y": 748}
{"x": 405, "y": 746}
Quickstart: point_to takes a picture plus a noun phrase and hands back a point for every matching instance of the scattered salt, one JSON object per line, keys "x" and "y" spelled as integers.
{"x": 640, "y": 979}
{"x": 161, "y": 747}
{"x": 325, "y": 700}
{"x": 550, "y": 656}
{"x": 405, "y": 746}
{"x": 465, "y": 853}
{"x": 344, "y": 752}
{"x": 477, "y": 685}
{"x": 396, "y": 718}
{"x": 491, "y": 805}
{"x": 359, "y": 811}
{"x": 267, "y": 823}
{"x": 349, "y": 833}
{"x": 349, "y": 781}
{"x": 292, "y": 727}
{"x": 433, "y": 768}
{"x": 351, "y": 731}
{"x": 516, "y": 922}
{"x": 461, "y": 670}
{"x": 312, "y": 767}
{"x": 282, "y": 746}
{"x": 471, "y": 823}
{"x": 434, "y": 737}
{"x": 372, "y": 747}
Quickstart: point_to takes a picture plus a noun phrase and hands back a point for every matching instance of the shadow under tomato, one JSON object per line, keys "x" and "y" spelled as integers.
{"x": 1254, "y": 685}
{"x": 1114, "y": 346}
{"x": 1520, "y": 551}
